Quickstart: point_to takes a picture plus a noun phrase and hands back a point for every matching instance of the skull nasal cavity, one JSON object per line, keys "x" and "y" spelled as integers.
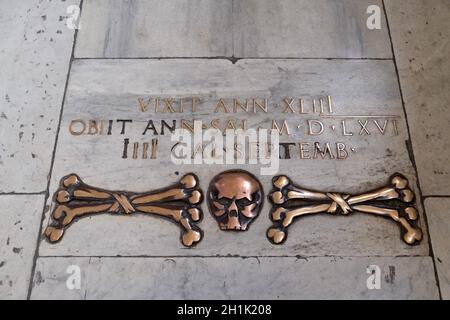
{"x": 233, "y": 213}
{"x": 233, "y": 206}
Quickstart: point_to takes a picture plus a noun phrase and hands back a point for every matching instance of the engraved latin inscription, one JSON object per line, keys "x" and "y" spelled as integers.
{"x": 310, "y": 128}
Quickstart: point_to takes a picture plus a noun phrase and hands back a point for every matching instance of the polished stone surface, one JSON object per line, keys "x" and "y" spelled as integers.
{"x": 19, "y": 229}
{"x": 240, "y": 28}
{"x": 110, "y": 90}
{"x": 438, "y": 214}
{"x": 152, "y": 28}
{"x": 235, "y": 278}
{"x": 306, "y": 29}
{"x": 35, "y": 51}
{"x": 420, "y": 32}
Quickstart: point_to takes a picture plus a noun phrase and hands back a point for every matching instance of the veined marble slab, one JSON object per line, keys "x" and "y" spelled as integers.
{"x": 240, "y": 28}
{"x": 35, "y": 51}
{"x": 311, "y": 29}
{"x": 420, "y": 33}
{"x": 110, "y": 89}
{"x": 19, "y": 228}
{"x": 438, "y": 214}
{"x": 152, "y": 28}
{"x": 234, "y": 278}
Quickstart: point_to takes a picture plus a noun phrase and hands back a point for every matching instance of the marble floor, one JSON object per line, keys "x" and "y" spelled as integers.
{"x": 358, "y": 89}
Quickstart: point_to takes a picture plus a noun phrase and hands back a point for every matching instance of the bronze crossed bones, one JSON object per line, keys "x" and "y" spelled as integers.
{"x": 393, "y": 201}
{"x": 180, "y": 204}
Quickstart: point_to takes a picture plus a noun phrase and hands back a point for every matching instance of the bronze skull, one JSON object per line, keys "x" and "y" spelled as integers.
{"x": 235, "y": 199}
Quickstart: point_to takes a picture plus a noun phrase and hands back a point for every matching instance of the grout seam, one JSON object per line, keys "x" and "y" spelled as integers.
{"x": 44, "y": 209}
{"x": 300, "y": 257}
{"x": 411, "y": 152}
{"x": 22, "y": 193}
{"x": 232, "y": 58}
{"x": 435, "y": 196}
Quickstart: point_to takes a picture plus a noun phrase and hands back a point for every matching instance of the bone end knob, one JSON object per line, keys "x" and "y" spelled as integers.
{"x": 71, "y": 180}
{"x": 277, "y": 215}
{"x": 63, "y": 196}
{"x": 189, "y": 181}
{"x": 277, "y": 236}
{"x": 277, "y": 197}
{"x": 412, "y": 213}
{"x": 191, "y": 237}
{"x": 53, "y": 234}
{"x": 412, "y": 236}
{"x": 399, "y": 182}
{"x": 407, "y": 195}
{"x": 196, "y": 197}
{"x": 195, "y": 214}
{"x": 281, "y": 181}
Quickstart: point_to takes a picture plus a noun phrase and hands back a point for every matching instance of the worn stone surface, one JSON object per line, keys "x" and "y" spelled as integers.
{"x": 139, "y": 256}
{"x": 420, "y": 33}
{"x": 438, "y": 214}
{"x": 110, "y": 90}
{"x": 19, "y": 228}
{"x": 236, "y": 278}
{"x": 34, "y": 53}
{"x": 241, "y": 28}
{"x": 317, "y": 29}
{"x": 142, "y": 28}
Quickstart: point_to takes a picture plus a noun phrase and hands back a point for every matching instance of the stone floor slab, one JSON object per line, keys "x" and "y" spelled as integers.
{"x": 308, "y": 29}
{"x": 235, "y": 278}
{"x": 438, "y": 214}
{"x": 111, "y": 89}
{"x": 420, "y": 32}
{"x": 240, "y": 28}
{"x": 35, "y": 55}
{"x": 19, "y": 228}
{"x": 143, "y": 28}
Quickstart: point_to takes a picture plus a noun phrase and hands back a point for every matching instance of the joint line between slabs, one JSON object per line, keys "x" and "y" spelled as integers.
{"x": 232, "y": 59}
{"x": 23, "y": 193}
{"x": 36, "y": 252}
{"x": 411, "y": 151}
{"x": 435, "y": 196}
{"x": 298, "y": 257}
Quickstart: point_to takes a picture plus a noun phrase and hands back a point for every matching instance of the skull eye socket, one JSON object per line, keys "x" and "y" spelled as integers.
{"x": 244, "y": 202}
{"x": 224, "y": 201}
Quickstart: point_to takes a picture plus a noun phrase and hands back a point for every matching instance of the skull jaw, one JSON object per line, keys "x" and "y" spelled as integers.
{"x": 233, "y": 224}
{"x": 236, "y": 228}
